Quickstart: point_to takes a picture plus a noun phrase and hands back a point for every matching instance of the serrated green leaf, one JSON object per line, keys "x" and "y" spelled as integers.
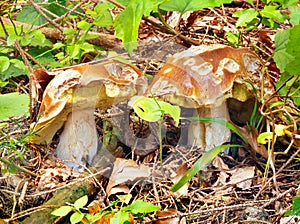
{"x": 140, "y": 206}
{"x": 294, "y": 15}
{"x": 4, "y": 63}
{"x": 62, "y": 211}
{"x": 245, "y": 16}
{"x": 127, "y": 23}
{"x": 13, "y": 104}
{"x": 190, "y": 5}
{"x": 271, "y": 11}
{"x": 76, "y": 217}
{"x": 81, "y": 202}
{"x": 203, "y": 161}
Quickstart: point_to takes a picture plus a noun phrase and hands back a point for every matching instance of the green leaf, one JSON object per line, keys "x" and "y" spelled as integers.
{"x": 76, "y": 217}
{"x": 127, "y": 23}
{"x": 294, "y": 15}
{"x": 62, "y": 211}
{"x": 152, "y": 110}
{"x": 190, "y": 5}
{"x": 233, "y": 38}
{"x": 204, "y": 160}
{"x": 287, "y": 3}
{"x": 263, "y": 137}
{"x": 296, "y": 207}
{"x": 140, "y": 206}
{"x": 245, "y": 16}
{"x": 31, "y": 16}
{"x": 101, "y": 14}
{"x": 4, "y": 63}
{"x": 81, "y": 202}
{"x": 293, "y": 49}
{"x": 84, "y": 25}
{"x": 281, "y": 56}
{"x": 119, "y": 218}
{"x": 13, "y": 104}
{"x": 270, "y": 11}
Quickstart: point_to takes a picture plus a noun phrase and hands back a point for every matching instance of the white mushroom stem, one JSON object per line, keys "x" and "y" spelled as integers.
{"x": 78, "y": 142}
{"x": 209, "y": 135}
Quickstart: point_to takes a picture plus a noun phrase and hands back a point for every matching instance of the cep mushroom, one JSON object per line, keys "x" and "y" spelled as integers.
{"x": 204, "y": 77}
{"x": 70, "y": 99}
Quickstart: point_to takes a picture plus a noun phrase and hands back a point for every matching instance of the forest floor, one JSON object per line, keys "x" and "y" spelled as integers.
{"x": 238, "y": 186}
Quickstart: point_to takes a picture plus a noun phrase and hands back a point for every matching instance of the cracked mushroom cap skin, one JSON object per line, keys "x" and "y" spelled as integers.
{"x": 205, "y": 76}
{"x": 84, "y": 86}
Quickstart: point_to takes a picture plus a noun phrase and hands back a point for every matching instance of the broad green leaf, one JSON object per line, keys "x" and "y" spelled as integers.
{"x": 35, "y": 38}
{"x": 294, "y": 15}
{"x": 76, "y": 217}
{"x": 4, "y": 63}
{"x": 190, "y": 5}
{"x": 270, "y": 11}
{"x": 293, "y": 49}
{"x": 245, "y": 16}
{"x": 101, "y": 14}
{"x": 152, "y": 110}
{"x": 81, "y": 202}
{"x": 292, "y": 91}
{"x": 281, "y": 57}
{"x": 140, "y": 206}
{"x": 287, "y": 3}
{"x": 233, "y": 38}
{"x": 203, "y": 161}
{"x": 151, "y": 6}
{"x": 62, "y": 211}
{"x": 263, "y": 137}
{"x": 218, "y": 121}
{"x": 119, "y": 218}
{"x": 84, "y": 25}
{"x": 13, "y": 104}
{"x": 31, "y": 16}
{"x": 127, "y": 23}
{"x": 296, "y": 207}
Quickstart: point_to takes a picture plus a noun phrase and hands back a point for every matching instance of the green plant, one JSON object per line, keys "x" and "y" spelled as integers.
{"x": 153, "y": 110}
{"x": 295, "y": 211}
{"x": 13, "y": 104}
{"x": 117, "y": 215}
{"x": 127, "y": 22}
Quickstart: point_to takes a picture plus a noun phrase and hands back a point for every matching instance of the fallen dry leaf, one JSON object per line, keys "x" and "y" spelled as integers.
{"x": 251, "y": 137}
{"x": 165, "y": 213}
{"x": 241, "y": 177}
{"x": 125, "y": 171}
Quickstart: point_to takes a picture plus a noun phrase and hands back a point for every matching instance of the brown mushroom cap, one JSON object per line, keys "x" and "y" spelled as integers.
{"x": 85, "y": 86}
{"x": 205, "y": 75}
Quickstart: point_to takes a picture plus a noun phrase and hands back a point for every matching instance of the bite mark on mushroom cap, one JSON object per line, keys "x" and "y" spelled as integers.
{"x": 81, "y": 87}
{"x": 203, "y": 77}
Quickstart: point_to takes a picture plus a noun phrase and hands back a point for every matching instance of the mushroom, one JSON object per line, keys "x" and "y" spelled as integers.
{"x": 204, "y": 77}
{"x": 70, "y": 99}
